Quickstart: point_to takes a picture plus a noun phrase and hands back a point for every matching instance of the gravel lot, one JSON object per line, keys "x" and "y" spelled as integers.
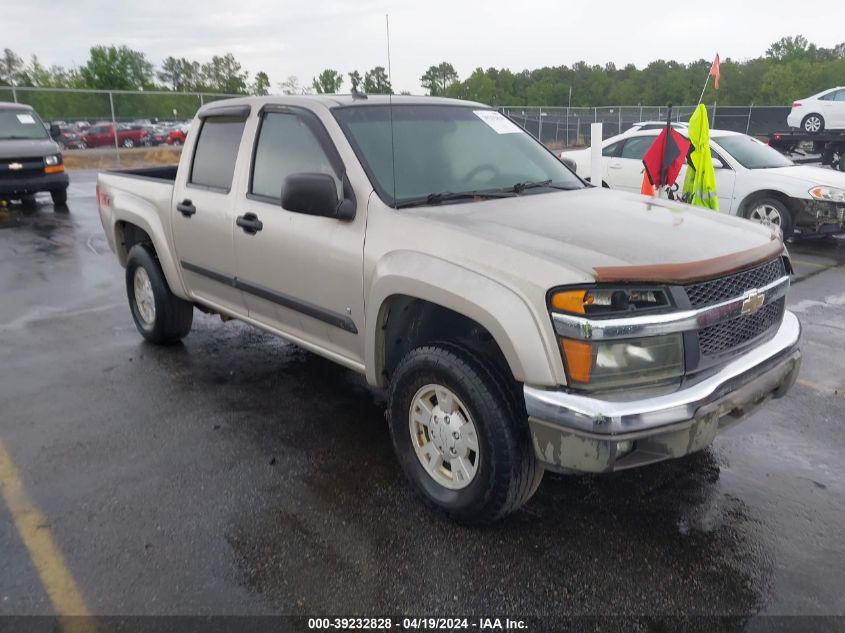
{"x": 237, "y": 474}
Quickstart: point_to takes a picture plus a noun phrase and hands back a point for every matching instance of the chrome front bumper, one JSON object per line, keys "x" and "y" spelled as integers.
{"x": 576, "y": 432}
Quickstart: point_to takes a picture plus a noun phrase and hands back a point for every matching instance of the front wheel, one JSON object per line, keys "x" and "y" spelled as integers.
{"x": 59, "y": 197}
{"x": 460, "y": 435}
{"x": 128, "y": 143}
{"x": 160, "y": 316}
{"x": 771, "y": 212}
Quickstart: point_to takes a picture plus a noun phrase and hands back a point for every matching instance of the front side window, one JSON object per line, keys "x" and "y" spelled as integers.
{"x": 611, "y": 149}
{"x": 21, "y": 124}
{"x": 287, "y": 145}
{"x": 438, "y": 149}
{"x": 216, "y": 152}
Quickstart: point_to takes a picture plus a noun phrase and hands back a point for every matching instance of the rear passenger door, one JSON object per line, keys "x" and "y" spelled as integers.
{"x": 301, "y": 274}
{"x": 202, "y": 217}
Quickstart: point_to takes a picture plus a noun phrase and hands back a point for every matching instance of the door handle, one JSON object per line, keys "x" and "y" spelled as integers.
{"x": 250, "y": 223}
{"x": 615, "y": 166}
{"x": 186, "y": 208}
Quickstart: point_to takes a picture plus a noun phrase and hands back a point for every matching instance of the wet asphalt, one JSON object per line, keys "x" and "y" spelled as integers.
{"x": 237, "y": 474}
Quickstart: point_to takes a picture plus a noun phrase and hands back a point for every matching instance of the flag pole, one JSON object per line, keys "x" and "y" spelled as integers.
{"x": 662, "y": 173}
{"x": 706, "y": 81}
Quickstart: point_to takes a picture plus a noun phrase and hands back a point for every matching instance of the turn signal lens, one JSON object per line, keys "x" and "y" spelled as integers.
{"x": 579, "y": 359}
{"x": 830, "y": 194}
{"x": 569, "y": 301}
{"x": 54, "y": 169}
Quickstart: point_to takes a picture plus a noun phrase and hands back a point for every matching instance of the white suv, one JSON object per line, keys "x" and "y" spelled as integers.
{"x": 825, "y": 110}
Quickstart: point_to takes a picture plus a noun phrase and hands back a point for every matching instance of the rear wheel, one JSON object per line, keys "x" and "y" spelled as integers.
{"x": 813, "y": 123}
{"x": 160, "y": 316}
{"x": 459, "y": 435}
{"x": 28, "y": 201}
{"x": 771, "y": 212}
{"x": 128, "y": 143}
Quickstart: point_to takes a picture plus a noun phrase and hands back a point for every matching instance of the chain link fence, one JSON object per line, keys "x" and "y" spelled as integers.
{"x": 570, "y": 127}
{"x": 557, "y": 127}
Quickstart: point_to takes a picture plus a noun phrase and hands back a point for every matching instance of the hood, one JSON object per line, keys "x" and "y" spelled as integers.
{"x": 811, "y": 175}
{"x": 29, "y": 148}
{"x": 614, "y": 236}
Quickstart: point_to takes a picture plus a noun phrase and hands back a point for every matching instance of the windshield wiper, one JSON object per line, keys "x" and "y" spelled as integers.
{"x": 536, "y": 184}
{"x": 445, "y": 196}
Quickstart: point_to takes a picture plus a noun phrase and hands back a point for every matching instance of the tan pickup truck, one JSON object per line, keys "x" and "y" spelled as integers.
{"x": 521, "y": 320}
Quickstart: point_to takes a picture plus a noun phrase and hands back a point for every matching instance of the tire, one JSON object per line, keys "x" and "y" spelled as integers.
{"x": 171, "y": 317}
{"x": 761, "y": 209}
{"x": 128, "y": 143}
{"x": 59, "y": 197}
{"x": 813, "y": 123}
{"x": 29, "y": 201}
{"x": 504, "y": 473}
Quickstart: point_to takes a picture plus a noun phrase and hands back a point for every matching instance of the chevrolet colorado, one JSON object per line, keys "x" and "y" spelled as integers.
{"x": 520, "y": 319}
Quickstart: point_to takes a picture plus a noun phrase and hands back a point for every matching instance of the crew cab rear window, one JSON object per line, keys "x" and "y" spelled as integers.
{"x": 287, "y": 145}
{"x": 216, "y": 152}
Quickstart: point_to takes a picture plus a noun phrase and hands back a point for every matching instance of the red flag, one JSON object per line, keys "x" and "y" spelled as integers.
{"x": 714, "y": 71}
{"x": 665, "y": 157}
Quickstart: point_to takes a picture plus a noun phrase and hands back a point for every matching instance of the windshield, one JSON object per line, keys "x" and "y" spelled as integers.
{"x": 751, "y": 153}
{"x": 21, "y": 124}
{"x": 448, "y": 149}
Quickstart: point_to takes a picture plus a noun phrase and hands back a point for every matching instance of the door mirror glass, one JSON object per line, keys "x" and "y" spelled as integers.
{"x": 314, "y": 194}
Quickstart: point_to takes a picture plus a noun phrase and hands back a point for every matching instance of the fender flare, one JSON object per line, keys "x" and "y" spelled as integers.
{"x": 523, "y": 338}
{"x": 131, "y": 209}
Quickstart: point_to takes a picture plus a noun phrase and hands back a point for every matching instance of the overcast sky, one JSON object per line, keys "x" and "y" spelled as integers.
{"x": 302, "y": 37}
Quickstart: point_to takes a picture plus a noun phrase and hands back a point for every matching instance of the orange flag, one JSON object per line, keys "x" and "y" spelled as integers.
{"x": 714, "y": 71}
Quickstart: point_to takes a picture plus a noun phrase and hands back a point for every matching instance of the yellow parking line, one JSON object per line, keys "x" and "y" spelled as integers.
{"x": 817, "y": 386}
{"x": 813, "y": 264}
{"x": 35, "y": 533}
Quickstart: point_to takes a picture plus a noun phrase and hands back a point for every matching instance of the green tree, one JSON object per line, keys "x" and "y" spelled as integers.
{"x": 261, "y": 85}
{"x": 376, "y": 82}
{"x": 437, "y": 79}
{"x": 11, "y": 67}
{"x": 180, "y": 75}
{"x": 117, "y": 68}
{"x": 789, "y": 48}
{"x": 328, "y": 82}
{"x": 225, "y": 74}
{"x": 356, "y": 80}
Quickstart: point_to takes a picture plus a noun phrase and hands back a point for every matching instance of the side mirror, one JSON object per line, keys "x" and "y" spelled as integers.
{"x": 315, "y": 194}
{"x": 717, "y": 164}
{"x": 55, "y": 131}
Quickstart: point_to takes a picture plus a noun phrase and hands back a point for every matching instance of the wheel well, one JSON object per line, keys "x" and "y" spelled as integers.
{"x": 408, "y": 322}
{"x": 127, "y": 235}
{"x": 794, "y": 206}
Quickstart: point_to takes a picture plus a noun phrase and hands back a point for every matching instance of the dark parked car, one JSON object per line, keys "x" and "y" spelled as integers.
{"x": 30, "y": 161}
{"x": 66, "y": 136}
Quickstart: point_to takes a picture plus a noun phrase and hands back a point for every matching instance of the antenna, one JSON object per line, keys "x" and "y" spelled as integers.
{"x": 390, "y": 108}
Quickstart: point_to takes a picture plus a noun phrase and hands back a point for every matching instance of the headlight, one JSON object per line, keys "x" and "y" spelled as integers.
{"x": 625, "y": 363}
{"x": 55, "y": 159}
{"x": 618, "y": 302}
{"x": 829, "y": 194}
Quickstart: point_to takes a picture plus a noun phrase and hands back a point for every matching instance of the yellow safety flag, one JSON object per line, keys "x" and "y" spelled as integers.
{"x": 700, "y": 181}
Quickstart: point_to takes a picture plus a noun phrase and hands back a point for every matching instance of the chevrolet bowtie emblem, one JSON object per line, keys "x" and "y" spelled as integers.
{"x": 753, "y": 302}
{"x": 15, "y": 166}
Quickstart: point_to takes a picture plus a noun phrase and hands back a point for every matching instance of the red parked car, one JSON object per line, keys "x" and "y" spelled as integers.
{"x": 176, "y": 137}
{"x": 103, "y": 134}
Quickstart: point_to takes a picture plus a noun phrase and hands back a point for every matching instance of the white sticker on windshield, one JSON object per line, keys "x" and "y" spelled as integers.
{"x": 26, "y": 118}
{"x": 498, "y": 122}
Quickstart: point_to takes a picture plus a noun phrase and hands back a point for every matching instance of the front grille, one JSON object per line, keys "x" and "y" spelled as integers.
{"x": 30, "y": 167}
{"x": 734, "y": 333}
{"x": 736, "y": 285}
